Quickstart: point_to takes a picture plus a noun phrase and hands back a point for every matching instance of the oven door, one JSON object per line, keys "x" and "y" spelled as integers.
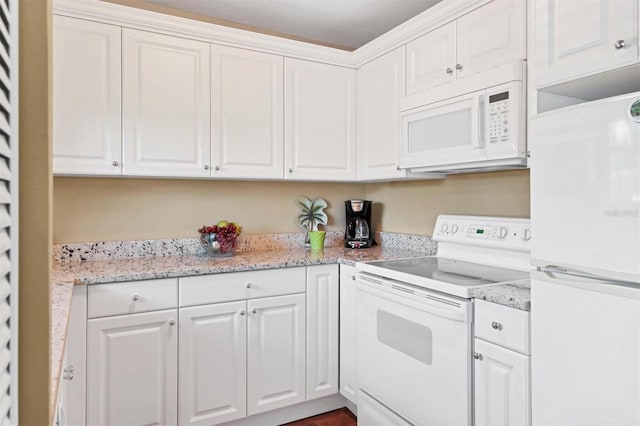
{"x": 414, "y": 351}
{"x": 446, "y": 132}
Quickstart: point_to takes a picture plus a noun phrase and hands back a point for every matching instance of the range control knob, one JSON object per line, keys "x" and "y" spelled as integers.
{"x": 454, "y": 228}
{"x": 526, "y": 235}
{"x": 444, "y": 227}
{"x": 503, "y": 232}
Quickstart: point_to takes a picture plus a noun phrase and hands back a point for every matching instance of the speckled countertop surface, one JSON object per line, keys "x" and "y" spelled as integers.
{"x": 65, "y": 275}
{"x": 516, "y": 294}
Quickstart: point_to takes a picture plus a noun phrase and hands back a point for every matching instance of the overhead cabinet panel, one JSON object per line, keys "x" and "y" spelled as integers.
{"x": 431, "y": 59}
{"x": 491, "y": 35}
{"x": 380, "y": 86}
{"x": 605, "y": 36}
{"x": 247, "y": 113}
{"x": 320, "y": 121}
{"x": 86, "y": 97}
{"x": 166, "y": 105}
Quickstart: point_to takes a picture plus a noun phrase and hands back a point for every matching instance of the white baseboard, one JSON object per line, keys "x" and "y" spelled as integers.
{"x": 294, "y": 412}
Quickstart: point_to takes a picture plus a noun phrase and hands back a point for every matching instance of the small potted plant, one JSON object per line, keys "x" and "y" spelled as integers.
{"x": 221, "y": 239}
{"x": 311, "y": 215}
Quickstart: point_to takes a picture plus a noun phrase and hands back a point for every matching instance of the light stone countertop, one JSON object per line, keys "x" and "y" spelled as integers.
{"x": 516, "y": 294}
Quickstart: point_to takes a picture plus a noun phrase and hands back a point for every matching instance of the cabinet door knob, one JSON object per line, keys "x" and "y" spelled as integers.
{"x": 353, "y": 277}
{"x": 206, "y": 167}
{"x": 290, "y": 170}
{"x": 477, "y": 356}
{"x": 496, "y": 325}
{"x": 243, "y": 312}
{"x": 172, "y": 321}
{"x": 254, "y": 311}
{"x": 217, "y": 168}
{"x": 135, "y": 297}
{"x": 248, "y": 285}
{"x": 449, "y": 70}
{"x": 67, "y": 372}
{"x": 620, "y": 44}
{"x": 458, "y": 67}
{"x": 115, "y": 163}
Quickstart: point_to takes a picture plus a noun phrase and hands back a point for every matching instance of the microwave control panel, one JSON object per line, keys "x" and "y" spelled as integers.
{"x": 499, "y": 117}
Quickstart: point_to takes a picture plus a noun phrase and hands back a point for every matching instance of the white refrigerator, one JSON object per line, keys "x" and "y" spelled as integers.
{"x": 585, "y": 295}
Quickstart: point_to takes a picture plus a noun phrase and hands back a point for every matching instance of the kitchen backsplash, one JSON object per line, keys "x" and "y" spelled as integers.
{"x": 105, "y": 250}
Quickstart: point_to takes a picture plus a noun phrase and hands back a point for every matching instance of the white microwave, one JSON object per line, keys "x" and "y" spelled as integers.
{"x": 477, "y": 130}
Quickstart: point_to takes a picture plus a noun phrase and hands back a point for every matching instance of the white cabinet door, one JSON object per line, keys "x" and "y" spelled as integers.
{"x": 166, "y": 105}
{"x": 132, "y": 369}
{"x": 431, "y": 59}
{"x": 502, "y": 386}
{"x": 322, "y": 330}
{"x": 348, "y": 377}
{"x": 246, "y": 114}
{"x": 276, "y": 352}
{"x": 578, "y": 38}
{"x": 380, "y": 86}
{"x": 490, "y": 36}
{"x": 86, "y": 97}
{"x": 213, "y": 372}
{"x": 320, "y": 125}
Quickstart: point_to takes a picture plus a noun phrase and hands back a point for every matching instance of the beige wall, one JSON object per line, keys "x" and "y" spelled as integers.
{"x": 35, "y": 213}
{"x": 92, "y": 209}
{"x": 412, "y": 207}
{"x": 96, "y": 209}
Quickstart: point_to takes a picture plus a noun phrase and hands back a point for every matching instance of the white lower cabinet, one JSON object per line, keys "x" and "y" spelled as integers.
{"x": 322, "y": 330}
{"x": 213, "y": 369}
{"x": 348, "y": 378}
{"x": 502, "y": 390}
{"x": 204, "y": 350}
{"x": 132, "y": 369}
{"x": 276, "y": 352}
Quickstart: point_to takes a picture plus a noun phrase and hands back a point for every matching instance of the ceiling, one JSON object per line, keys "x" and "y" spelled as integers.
{"x": 347, "y": 23}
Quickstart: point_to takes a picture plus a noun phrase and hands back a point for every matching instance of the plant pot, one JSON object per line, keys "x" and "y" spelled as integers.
{"x": 316, "y": 238}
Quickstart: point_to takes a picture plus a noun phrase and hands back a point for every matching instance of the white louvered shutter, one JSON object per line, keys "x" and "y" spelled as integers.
{"x": 8, "y": 212}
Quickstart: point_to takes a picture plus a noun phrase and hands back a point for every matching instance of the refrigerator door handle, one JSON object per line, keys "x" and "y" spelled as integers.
{"x": 553, "y": 271}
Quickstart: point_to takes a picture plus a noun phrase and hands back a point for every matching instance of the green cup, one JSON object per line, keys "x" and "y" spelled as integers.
{"x": 316, "y": 238}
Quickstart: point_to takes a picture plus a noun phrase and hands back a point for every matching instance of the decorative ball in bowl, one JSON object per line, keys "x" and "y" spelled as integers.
{"x": 220, "y": 240}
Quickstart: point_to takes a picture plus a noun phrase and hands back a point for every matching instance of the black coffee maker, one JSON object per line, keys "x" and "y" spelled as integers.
{"x": 359, "y": 232}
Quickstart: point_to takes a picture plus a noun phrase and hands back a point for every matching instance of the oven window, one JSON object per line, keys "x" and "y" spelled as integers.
{"x": 447, "y": 130}
{"x": 408, "y": 337}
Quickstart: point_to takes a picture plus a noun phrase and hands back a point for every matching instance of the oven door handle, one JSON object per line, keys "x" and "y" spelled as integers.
{"x": 431, "y": 306}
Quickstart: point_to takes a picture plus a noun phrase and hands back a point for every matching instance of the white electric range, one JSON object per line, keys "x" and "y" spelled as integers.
{"x": 414, "y": 320}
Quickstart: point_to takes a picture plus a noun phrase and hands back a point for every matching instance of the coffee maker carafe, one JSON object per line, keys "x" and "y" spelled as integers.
{"x": 358, "y": 233}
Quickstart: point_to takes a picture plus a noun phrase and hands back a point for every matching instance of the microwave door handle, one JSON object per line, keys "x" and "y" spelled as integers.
{"x": 479, "y": 141}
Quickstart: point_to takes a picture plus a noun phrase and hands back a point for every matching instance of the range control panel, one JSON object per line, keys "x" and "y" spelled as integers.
{"x": 508, "y": 233}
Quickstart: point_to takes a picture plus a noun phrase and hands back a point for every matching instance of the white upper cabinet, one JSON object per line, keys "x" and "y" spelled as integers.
{"x": 578, "y": 38}
{"x": 431, "y": 59}
{"x": 320, "y": 121}
{"x": 247, "y": 92}
{"x": 166, "y": 105}
{"x": 86, "y": 97}
{"x": 484, "y": 38}
{"x": 380, "y": 86}
{"x": 491, "y": 35}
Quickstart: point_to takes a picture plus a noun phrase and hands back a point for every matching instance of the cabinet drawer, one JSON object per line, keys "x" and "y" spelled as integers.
{"x": 205, "y": 289}
{"x": 502, "y": 325}
{"x": 132, "y": 297}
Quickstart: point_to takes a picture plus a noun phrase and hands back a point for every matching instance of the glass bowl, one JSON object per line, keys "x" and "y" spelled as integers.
{"x": 217, "y": 249}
